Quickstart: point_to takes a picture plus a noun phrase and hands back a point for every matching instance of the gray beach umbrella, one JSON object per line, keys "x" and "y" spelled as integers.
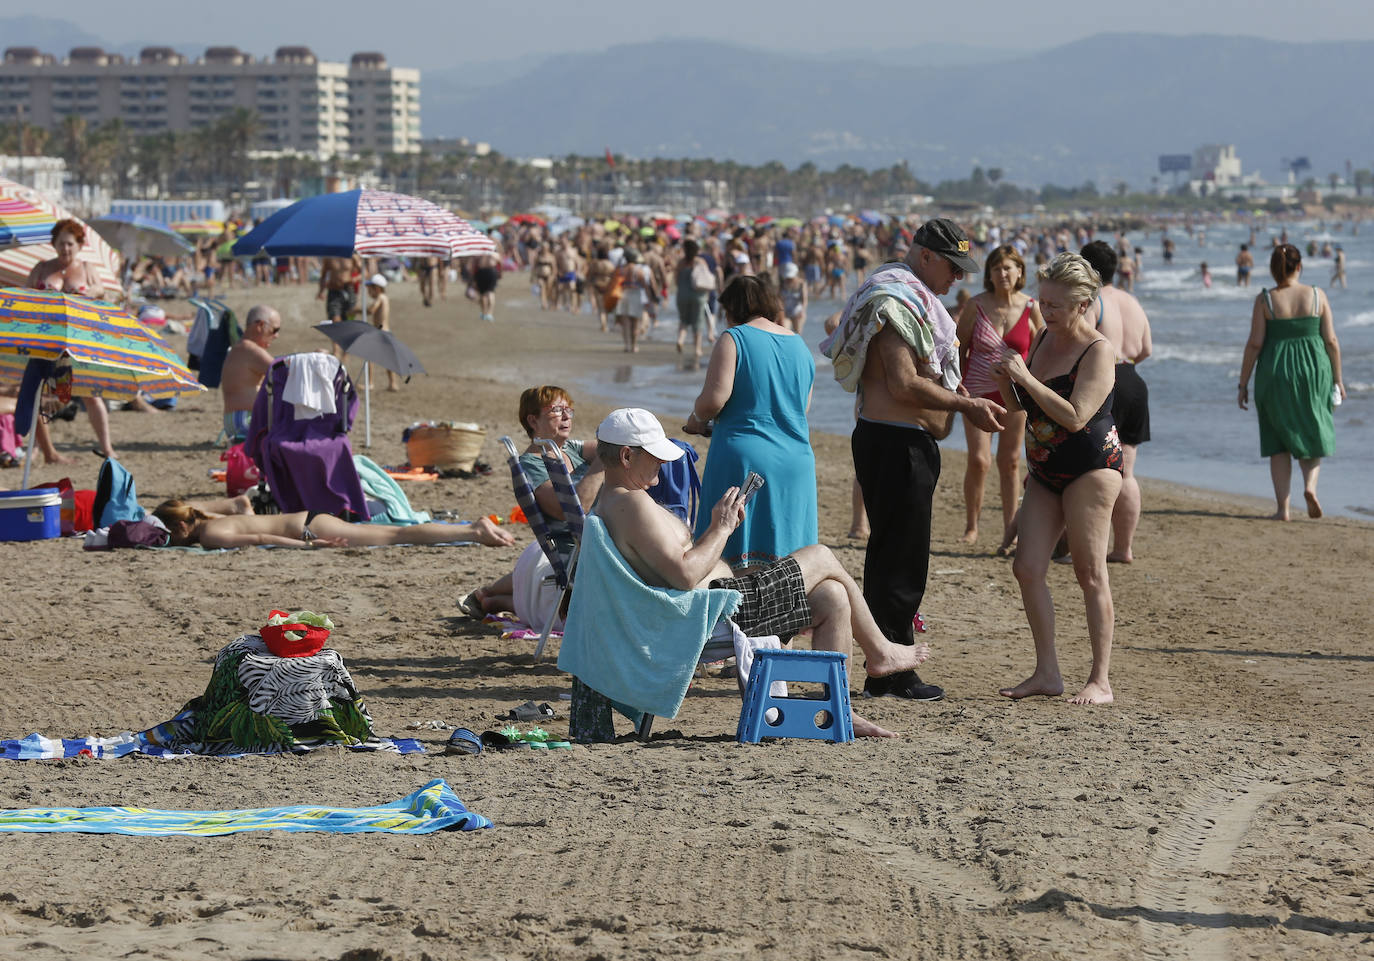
{"x": 374, "y": 345}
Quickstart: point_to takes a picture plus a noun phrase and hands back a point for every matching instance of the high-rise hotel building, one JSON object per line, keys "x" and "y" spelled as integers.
{"x": 304, "y": 104}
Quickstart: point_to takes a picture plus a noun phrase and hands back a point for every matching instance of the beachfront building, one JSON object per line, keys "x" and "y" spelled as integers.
{"x": 303, "y": 104}
{"x": 44, "y": 174}
{"x": 1216, "y": 169}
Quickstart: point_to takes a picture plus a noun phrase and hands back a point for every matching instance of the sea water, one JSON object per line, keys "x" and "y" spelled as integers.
{"x": 1199, "y": 436}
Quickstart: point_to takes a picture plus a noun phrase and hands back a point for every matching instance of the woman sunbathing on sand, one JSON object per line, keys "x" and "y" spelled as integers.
{"x": 189, "y": 525}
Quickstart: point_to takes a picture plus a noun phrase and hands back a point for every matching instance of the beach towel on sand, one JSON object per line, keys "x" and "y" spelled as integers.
{"x": 637, "y": 645}
{"x": 433, "y": 807}
{"x": 894, "y": 295}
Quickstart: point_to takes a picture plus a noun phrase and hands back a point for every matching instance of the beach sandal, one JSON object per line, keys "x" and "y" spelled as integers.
{"x": 496, "y": 741}
{"x": 535, "y": 738}
{"x": 463, "y": 741}
{"x": 472, "y": 606}
{"x": 529, "y": 711}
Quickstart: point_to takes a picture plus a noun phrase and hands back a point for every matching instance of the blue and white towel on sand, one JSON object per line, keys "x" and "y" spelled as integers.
{"x": 432, "y": 808}
{"x": 638, "y": 645}
{"x": 165, "y": 740}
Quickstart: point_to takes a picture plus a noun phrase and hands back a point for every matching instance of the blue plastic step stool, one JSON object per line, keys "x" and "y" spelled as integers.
{"x": 797, "y": 716}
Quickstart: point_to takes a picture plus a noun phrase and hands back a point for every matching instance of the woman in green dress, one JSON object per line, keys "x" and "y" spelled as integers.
{"x": 1297, "y": 364}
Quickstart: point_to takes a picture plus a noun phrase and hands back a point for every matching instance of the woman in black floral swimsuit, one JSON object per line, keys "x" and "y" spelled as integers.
{"x": 1075, "y": 466}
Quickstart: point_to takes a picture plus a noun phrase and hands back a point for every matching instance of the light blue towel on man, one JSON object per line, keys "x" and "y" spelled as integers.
{"x": 638, "y": 645}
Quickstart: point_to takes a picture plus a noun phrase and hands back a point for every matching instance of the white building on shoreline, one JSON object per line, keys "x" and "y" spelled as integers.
{"x": 304, "y": 105}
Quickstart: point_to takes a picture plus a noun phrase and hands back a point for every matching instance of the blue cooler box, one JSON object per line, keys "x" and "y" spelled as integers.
{"x": 30, "y": 515}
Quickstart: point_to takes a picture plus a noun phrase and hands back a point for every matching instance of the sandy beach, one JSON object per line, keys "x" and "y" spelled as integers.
{"x": 1219, "y": 809}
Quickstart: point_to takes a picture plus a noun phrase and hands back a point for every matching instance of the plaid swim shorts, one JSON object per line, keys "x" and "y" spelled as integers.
{"x": 774, "y": 600}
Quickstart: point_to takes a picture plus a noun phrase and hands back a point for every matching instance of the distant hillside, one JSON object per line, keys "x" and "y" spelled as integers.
{"x": 1099, "y": 109}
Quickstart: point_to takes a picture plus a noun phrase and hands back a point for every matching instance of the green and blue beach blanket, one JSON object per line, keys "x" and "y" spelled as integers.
{"x": 433, "y": 807}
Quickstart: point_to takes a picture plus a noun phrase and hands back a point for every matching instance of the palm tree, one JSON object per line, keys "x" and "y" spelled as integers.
{"x": 72, "y": 133}
{"x": 237, "y": 132}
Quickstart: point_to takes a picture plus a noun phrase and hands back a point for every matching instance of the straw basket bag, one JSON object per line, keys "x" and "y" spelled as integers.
{"x": 446, "y": 445}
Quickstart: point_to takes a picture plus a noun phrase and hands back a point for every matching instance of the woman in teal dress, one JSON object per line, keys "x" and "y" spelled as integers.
{"x": 758, "y": 389}
{"x": 1296, "y": 360}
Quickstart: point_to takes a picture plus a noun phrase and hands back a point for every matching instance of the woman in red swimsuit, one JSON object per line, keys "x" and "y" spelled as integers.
{"x": 68, "y": 272}
{"x": 1001, "y": 317}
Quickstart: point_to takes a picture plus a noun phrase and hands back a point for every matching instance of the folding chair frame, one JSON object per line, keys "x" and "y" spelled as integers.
{"x": 573, "y": 514}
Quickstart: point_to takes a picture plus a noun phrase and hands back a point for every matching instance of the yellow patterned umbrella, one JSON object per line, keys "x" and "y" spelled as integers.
{"x": 110, "y": 352}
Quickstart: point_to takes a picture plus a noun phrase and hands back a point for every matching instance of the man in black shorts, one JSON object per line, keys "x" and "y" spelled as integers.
{"x": 808, "y": 588}
{"x": 1125, "y": 325}
{"x": 336, "y": 288}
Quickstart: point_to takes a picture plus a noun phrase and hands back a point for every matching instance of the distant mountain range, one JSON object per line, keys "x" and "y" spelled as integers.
{"x": 1099, "y": 109}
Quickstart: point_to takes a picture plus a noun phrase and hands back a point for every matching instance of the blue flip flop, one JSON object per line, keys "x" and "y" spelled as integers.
{"x": 463, "y": 741}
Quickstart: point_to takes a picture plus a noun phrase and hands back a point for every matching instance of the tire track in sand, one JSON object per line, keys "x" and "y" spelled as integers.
{"x": 1180, "y": 887}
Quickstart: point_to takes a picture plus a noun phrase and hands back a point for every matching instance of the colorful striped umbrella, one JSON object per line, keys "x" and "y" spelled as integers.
{"x": 22, "y": 223}
{"x": 112, "y": 353}
{"x": 17, "y": 262}
{"x": 368, "y": 222}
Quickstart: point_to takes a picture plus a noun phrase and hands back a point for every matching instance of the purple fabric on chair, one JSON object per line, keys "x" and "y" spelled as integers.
{"x": 308, "y": 464}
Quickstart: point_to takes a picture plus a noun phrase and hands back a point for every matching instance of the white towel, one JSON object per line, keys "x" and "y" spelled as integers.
{"x": 310, "y": 384}
{"x": 744, "y": 654}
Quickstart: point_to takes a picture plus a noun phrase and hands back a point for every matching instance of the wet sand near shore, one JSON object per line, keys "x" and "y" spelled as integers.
{"x": 1219, "y": 809}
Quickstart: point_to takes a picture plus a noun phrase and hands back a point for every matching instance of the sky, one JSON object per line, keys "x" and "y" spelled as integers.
{"x": 448, "y": 33}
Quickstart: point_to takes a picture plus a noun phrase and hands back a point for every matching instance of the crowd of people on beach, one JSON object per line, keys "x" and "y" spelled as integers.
{"x": 1053, "y": 373}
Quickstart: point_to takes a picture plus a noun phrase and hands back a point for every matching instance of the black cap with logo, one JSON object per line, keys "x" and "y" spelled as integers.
{"x": 947, "y": 239}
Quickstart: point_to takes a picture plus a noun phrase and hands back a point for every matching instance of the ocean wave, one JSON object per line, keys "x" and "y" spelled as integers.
{"x": 1195, "y": 354}
{"x": 1364, "y": 318}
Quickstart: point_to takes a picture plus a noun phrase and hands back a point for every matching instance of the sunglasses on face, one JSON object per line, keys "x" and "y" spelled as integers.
{"x": 562, "y": 410}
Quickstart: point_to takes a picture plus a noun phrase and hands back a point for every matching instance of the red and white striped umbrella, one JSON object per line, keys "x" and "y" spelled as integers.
{"x": 17, "y": 262}
{"x": 398, "y": 225}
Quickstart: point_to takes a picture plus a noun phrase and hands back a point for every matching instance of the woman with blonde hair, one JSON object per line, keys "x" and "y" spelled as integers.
{"x": 999, "y": 318}
{"x": 1075, "y": 462}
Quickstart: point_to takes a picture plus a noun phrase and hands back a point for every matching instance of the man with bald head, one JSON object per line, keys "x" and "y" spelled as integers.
{"x": 244, "y": 368}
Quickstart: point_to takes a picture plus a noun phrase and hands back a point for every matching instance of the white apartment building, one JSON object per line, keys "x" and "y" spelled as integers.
{"x": 304, "y": 105}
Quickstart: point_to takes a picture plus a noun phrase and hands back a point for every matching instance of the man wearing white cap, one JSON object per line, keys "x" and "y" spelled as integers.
{"x": 808, "y": 588}
{"x": 379, "y": 314}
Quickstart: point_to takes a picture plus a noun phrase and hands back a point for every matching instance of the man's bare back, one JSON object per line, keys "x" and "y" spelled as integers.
{"x": 1130, "y": 330}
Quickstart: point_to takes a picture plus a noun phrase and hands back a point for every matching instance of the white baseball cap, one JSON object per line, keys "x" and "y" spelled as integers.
{"x": 789, "y": 270}
{"x": 636, "y": 427}
{"x": 377, "y": 280}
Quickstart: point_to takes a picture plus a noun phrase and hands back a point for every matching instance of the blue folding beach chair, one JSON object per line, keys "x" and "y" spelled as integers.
{"x": 573, "y": 515}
